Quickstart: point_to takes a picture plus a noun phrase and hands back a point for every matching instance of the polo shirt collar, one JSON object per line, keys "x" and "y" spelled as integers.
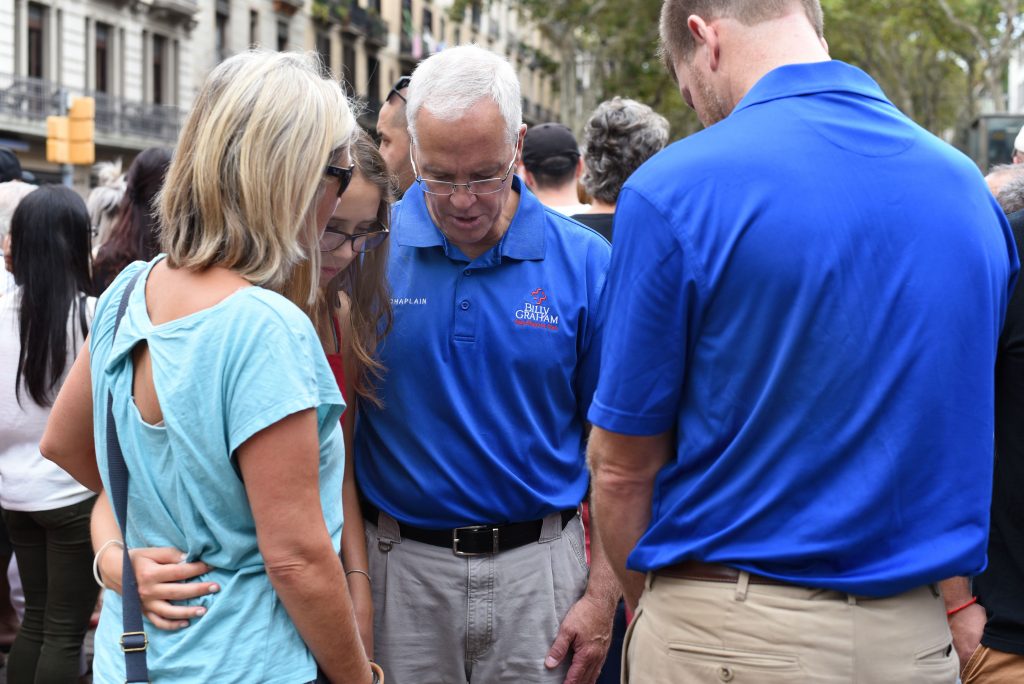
{"x": 794, "y": 80}
{"x": 524, "y": 239}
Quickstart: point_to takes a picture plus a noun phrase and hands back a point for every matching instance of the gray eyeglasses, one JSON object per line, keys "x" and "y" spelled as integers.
{"x": 487, "y": 186}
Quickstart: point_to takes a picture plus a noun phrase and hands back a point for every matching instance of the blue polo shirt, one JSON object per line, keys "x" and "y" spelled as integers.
{"x": 491, "y": 367}
{"x": 809, "y": 294}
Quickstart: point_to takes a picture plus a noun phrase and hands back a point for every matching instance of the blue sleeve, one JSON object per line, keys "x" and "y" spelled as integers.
{"x": 650, "y": 302}
{"x": 273, "y": 371}
{"x": 593, "y": 333}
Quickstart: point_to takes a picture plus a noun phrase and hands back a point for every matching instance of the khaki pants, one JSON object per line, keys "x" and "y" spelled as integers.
{"x": 988, "y": 666}
{"x": 695, "y": 632}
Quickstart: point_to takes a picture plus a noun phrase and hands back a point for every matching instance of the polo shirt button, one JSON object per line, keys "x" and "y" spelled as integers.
{"x": 725, "y": 673}
{"x": 464, "y": 304}
{"x": 467, "y": 273}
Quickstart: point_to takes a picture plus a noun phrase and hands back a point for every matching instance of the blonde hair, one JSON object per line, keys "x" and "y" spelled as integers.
{"x": 242, "y": 189}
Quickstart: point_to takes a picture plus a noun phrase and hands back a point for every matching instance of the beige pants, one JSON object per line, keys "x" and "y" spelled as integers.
{"x": 692, "y": 632}
{"x": 989, "y": 666}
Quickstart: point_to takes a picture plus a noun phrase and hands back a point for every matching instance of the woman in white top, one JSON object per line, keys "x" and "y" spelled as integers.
{"x": 43, "y": 324}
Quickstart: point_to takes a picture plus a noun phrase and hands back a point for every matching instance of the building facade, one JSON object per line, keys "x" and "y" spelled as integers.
{"x": 142, "y": 60}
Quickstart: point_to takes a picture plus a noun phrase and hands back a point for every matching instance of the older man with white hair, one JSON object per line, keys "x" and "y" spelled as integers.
{"x": 473, "y": 470}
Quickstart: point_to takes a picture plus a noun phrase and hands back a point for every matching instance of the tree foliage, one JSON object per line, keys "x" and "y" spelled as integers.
{"x": 941, "y": 61}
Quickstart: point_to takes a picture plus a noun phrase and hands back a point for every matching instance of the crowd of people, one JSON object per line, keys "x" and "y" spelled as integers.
{"x": 312, "y": 409}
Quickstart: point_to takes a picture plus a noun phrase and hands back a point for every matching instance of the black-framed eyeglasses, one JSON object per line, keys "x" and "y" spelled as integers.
{"x": 400, "y": 85}
{"x": 361, "y": 242}
{"x": 343, "y": 174}
{"x": 486, "y": 186}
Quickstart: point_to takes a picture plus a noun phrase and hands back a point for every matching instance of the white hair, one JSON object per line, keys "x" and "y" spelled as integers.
{"x": 449, "y": 83}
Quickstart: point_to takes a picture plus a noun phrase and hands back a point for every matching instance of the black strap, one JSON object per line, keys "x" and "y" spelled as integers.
{"x": 133, "y": 641}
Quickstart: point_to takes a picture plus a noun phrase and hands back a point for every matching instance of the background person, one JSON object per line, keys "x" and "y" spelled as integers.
{"x": 812, "y": 474}
{"x": 43, "y": 324}
{"x": 393, "y": 131}
{"x": 618, "y": 137}
{"x": 552, "y": 167}
{"x": 987, "y": 619}
{"x": 104, "y": 202}
{"x": 247, "y": 402}
{"x": 134, "y": 236}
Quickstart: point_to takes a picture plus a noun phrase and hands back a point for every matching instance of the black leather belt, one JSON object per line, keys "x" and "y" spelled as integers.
{"x": 473, "y": 540}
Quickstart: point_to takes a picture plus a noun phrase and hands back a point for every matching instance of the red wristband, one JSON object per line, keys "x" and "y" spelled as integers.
{"x": 951, "y": 613}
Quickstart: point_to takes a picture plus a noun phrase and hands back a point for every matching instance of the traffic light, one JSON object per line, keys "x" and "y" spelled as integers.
{"x": 81, "y": 129}
{"x": 69, "y": 139}
{"x": 57, "y": 139}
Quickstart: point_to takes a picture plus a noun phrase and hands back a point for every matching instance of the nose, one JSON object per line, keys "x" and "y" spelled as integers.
{"x": 462, "y": 197}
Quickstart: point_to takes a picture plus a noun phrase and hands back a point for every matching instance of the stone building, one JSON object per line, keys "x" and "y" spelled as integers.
{"x": 142, "y": 60}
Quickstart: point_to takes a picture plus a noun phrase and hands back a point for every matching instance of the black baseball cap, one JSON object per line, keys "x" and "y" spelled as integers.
{"x": 549, "y": 140}
{"x": 10, "y": 167}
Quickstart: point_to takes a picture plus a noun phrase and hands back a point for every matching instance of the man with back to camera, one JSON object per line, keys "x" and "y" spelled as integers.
{"x": 473, "y": 471}
{"x": 394, "y": 134}
{"x": 816, "y": 287}
{"x": 552, "y": 167}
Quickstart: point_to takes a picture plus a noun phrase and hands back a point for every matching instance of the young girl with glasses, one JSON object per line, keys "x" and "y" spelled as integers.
{"x": 352, "y": 314}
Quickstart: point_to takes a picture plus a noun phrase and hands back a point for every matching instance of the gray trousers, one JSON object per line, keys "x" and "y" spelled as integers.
{"x": 444, "y": 619}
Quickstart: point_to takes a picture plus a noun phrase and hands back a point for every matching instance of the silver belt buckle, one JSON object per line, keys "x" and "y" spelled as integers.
{"x": 474, "y": 528}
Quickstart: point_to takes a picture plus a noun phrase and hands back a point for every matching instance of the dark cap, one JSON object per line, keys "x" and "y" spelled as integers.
{"x": 10, "y": 167}
{"x": 549, "y": 140}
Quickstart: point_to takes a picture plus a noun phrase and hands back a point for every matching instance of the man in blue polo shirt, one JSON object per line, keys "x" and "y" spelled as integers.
{"x": 793, "y": 425}
{"x": 473, "y": 470}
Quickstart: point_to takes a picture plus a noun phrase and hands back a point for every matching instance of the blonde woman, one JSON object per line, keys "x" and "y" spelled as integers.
{"x": 351, "y": 314}
{"x": 224, "y": 404}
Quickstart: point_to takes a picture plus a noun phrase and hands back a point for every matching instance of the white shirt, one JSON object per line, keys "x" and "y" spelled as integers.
{"x": 28, "y": 482}
{"x": 573, "y": 209}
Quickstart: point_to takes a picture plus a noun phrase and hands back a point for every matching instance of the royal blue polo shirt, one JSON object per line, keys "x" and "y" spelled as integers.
{"x": 491, "y": 367}
{"x": 809, "y": 295}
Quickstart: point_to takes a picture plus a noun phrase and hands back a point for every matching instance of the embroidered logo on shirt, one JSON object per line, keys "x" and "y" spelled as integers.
{"x": 534, "y": 314}
{"x": 400, "y": 301}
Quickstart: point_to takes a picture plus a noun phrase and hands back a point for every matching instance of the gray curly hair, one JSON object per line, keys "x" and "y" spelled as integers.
{"x": 620, "y": 135}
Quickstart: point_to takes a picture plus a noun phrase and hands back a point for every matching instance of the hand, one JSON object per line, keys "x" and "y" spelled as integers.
{"x": 967, "y": 627}
{"x": 587, "y": 628}
{"x": 160, "y": 576}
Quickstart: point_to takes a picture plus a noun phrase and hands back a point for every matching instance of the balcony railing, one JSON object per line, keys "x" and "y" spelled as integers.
{"x": 359, "y": 18}
{"x": 378, "y": 30}
{"x": 34, "y": 99}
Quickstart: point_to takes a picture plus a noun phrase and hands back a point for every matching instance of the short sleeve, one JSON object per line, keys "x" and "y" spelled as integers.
{"x": 649, "y": 301}
{"x": 598, "y": 258}
{"x": 273, "y": 371}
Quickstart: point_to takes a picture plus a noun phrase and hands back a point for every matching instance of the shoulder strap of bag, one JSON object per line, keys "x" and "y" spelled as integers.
{"x": 133, "y": 640}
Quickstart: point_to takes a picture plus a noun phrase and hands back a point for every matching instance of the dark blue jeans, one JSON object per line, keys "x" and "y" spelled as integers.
{"x": 54, "y": 555}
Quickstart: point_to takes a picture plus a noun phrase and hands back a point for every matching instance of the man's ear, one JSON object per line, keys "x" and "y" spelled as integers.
{"x": 579, "y": 168}
{"x": 706, "y": 36}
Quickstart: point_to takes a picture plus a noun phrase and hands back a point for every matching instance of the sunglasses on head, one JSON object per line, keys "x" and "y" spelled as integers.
{"x": 400, "y": 85}
{"x": 343, "y": 174}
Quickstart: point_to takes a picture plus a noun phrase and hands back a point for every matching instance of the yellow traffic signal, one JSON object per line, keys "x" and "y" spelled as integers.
{"x": 57, "y": 139}
{"x": 81, "y": 131}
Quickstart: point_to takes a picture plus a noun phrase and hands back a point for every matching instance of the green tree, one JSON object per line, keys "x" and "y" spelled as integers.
{"x": 940, "y": 61}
